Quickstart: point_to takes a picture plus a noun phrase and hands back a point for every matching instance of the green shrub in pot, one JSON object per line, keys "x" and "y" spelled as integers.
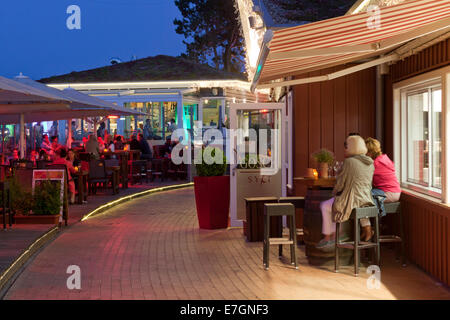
{"x": 47, "y": 198}
{"x": 211, "y": 165}
{"x": 21, "y": 200}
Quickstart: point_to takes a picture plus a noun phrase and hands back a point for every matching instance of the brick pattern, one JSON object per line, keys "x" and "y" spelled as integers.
{"x": 151, "y": 248}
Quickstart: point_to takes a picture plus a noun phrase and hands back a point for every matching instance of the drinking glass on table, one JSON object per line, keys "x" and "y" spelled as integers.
{"x": 337, "y": 167}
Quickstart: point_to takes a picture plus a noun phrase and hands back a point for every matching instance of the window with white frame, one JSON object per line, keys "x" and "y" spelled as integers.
{"x": 421, "y": 136}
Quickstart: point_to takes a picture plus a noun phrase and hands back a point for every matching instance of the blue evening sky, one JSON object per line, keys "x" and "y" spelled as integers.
{"x": 35, "y": 40}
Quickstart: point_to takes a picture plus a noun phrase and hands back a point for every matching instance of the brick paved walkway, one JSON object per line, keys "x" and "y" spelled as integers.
{"x": 151, "y": 248}
{"x": 15, "y": 240}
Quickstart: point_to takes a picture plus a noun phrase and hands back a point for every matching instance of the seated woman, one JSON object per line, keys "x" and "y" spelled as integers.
{"x": 384, "y": 178}
{"x": 352, "y": 190}
{"x": 60, "y": 158}
{"x": 72, "y": 158}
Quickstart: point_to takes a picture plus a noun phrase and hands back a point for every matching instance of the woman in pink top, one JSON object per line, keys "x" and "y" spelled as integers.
{"x": 384, "y": 178}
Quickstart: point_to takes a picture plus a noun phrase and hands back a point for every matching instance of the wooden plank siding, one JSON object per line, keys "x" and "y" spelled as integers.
{"x": 326, "y": 112}
{"x": 427, "y": 229}
{"x": 426, "y": 223}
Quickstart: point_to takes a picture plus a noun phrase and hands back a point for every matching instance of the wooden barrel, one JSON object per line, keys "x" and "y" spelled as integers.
{"x": 312, "y": 228}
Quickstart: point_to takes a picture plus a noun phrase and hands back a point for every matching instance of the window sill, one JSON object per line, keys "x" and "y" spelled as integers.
{"x": 425, "y": 197}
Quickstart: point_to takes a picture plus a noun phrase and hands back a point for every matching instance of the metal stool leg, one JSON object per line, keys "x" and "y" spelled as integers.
{"x": 402, "y": 235}
{"x": 336, "y": 249}
{"x": 356, "y": 246}
{"x": 266, "y": 242}
{"x": 377, "y": 239}
{"x": 280, "y": 234}
{"x": 293, "y": 231}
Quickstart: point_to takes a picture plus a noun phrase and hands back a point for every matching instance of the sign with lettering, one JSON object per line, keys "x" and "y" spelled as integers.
{"x": 251, "y": 183}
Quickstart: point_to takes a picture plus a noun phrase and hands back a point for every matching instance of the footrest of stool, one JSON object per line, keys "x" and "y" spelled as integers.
{"x": 273, "y": 241}
{"x": 389, "y": 238}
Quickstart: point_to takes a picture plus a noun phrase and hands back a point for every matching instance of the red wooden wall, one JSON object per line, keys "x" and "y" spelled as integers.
{"x": 427, "y": 223}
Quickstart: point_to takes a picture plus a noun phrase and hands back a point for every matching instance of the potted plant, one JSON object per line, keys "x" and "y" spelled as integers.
{"x": 324, "y": 158}
{"x": 46, "y": 205}
{"x": 21, "y": 200}
{"x": 212, "y": 190}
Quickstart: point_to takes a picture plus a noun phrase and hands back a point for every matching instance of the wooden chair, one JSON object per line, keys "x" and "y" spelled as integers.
{"x": 149, "y": 170}
{"x": 172, "y": 170}
{"x": 6, "y": 203}
{"x": 97, "y": 175}
{"x": 182, "y": 171}
{"x": 279, "y": 210}
{"x": 113, "y": 177}
{"x": 157, "y": 170}
{"x": 42, "y": 164}
{"x": 138, "y": 170}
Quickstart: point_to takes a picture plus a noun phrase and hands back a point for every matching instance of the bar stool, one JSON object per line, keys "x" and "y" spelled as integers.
{"x": 299, "y": 203}
{"x": 274, "y": 210}
{"x": 357, "y": 245}
{"x": 395, "y": 208}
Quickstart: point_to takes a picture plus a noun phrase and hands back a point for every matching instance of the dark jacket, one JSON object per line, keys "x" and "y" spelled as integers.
{"x": 145, "y": 148}
{"x": 134, "y": 145}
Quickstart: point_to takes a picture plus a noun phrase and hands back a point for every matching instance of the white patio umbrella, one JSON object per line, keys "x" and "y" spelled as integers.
{"x": 80, "y": 105}
{"x": 19, "y": 99}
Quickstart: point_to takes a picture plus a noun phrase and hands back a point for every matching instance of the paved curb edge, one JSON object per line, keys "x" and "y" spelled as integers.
{"x": 114, "y": 203}
{"x": 23, "y": 258}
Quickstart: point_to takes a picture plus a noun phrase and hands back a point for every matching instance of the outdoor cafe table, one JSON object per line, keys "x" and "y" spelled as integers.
{"x": 82, "y": 177}
{"x": 318, "y": 190}
{"x": 122, "y": 156}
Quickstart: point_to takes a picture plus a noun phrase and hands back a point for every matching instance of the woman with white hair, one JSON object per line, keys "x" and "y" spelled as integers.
{"x": 352, "y": 190}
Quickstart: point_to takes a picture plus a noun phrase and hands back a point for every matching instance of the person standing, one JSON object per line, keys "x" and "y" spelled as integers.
{"x": 45, "y": 144}
{"x": 53, "y": 129}
{"x": 101, "y": 130}
{"x": 148, "y": 130}
{"x": 38, "y": 132}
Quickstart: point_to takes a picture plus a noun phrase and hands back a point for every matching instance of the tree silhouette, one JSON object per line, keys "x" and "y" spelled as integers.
{"x": 212, "y": 33}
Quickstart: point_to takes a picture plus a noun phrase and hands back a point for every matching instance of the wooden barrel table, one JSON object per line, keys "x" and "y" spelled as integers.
{"x": 312, "y": 228}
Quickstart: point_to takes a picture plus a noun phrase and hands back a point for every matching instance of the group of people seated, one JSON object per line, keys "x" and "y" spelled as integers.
{"x": 367, "y": 178}
{"x": 94, "y": 145}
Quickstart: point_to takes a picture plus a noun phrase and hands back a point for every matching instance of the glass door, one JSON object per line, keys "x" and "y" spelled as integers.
{"x": 256, "y": 152}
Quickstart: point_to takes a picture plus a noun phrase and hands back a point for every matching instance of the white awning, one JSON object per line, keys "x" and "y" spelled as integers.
{"x": 349, "y": 38}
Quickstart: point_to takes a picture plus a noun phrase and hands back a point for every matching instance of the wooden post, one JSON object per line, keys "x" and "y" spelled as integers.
{"x": 69, "y": 133}
{"x": 22, "y": 136}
